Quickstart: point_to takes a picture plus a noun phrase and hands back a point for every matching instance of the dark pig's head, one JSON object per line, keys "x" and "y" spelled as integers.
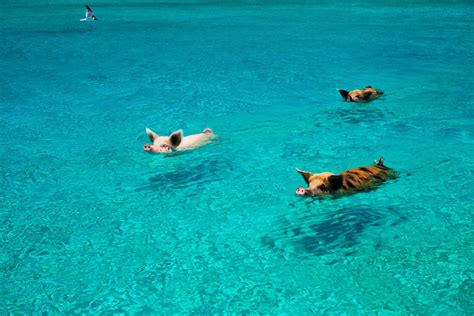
{"x": 320, "y": 183}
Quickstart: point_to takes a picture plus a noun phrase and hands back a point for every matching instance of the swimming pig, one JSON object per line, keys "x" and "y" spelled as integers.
{"x": 366, "y": 94}
{"x": 356, "y": 179}
{"x": 176, "y": 141}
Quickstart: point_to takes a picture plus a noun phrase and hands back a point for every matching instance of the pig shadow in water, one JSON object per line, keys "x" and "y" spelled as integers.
{"x": 365, "y": 116}
{"x": 189, "y": 176}
{"x": 320, "y": 234}
{"x": 350, "y": 115}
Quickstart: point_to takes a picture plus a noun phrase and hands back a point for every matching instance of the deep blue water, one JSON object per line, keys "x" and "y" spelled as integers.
{"x": 90, "y": 223}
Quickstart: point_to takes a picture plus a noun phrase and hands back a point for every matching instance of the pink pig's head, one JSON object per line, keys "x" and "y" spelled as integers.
{"x": 163, "y": 144}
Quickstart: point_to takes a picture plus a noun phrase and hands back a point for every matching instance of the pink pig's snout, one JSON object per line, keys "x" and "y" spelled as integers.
{"x": 300, "y": 191}
{"x": 147, "y": 147}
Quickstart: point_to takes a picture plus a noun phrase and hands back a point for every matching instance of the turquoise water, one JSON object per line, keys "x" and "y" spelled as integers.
{"x": 91, "y": 223}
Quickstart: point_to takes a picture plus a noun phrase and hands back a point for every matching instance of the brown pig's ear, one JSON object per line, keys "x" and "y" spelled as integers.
{"x": 335, "y": 182}
{"x": 306, "y": 175}
{"x": 152, "y": 135}
{"x": 175, "y": 138}
{"x": 344, "y": 93}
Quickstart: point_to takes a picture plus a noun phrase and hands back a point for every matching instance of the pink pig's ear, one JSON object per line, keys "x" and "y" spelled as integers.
{"x": 153, "y": 136}
{"x": 175, "y": 138}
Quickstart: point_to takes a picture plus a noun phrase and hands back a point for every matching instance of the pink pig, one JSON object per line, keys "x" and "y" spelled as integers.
{"x": 176, "y": 141}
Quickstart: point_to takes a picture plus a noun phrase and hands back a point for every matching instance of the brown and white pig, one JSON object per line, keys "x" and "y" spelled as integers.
{"x": 366, "y": 94}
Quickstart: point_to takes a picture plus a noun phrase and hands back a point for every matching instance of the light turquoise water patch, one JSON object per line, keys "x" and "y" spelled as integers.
{"x": 91, "y": 223}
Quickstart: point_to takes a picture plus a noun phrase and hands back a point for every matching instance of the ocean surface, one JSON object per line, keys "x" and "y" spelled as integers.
{"x": 90, "y": 223}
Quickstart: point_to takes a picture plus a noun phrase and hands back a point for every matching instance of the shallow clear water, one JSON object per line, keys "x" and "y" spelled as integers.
{"x": 91, "y": 223}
